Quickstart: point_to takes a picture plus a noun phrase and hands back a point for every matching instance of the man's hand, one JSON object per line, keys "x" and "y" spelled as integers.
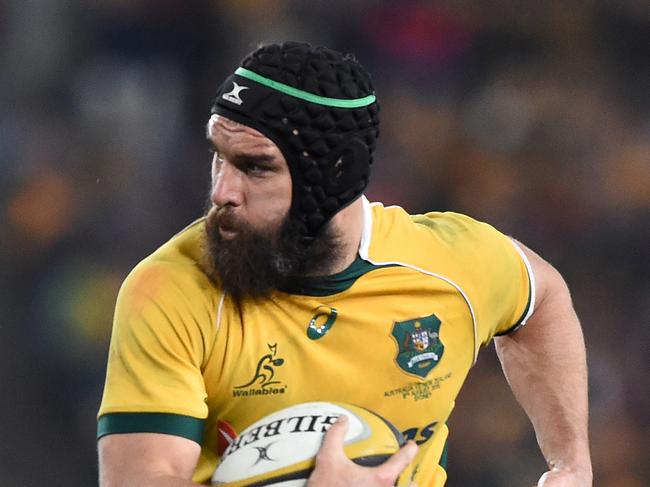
{"x": 565, "y": 478}
{"x": 334, "y": 469}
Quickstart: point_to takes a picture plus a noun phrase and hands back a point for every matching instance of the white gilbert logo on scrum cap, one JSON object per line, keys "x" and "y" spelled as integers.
{"x": 233, "y": 96}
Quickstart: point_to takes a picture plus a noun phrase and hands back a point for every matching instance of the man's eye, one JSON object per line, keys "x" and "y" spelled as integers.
{"x": 255, "y": 169}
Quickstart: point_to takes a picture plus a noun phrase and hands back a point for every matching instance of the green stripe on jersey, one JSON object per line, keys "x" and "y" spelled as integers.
{"x": 170, "y": 424}
{"x": 333, "y": 284}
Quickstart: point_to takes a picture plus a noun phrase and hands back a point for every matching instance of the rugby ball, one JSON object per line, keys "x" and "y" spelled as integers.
{"x": 280, "y": 449}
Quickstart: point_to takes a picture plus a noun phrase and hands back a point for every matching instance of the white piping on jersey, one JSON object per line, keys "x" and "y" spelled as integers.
{"x": 531, "y": 278}
{"x": 366, "y": 231}
{"x": 364, "y": 248}
{"x": 219, "y": 308}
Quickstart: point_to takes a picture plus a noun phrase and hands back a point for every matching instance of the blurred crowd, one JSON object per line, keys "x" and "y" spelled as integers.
{"x": 532, "y": 116}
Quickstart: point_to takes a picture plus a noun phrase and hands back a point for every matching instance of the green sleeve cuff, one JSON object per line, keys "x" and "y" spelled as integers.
{"x": 166, "y": 423}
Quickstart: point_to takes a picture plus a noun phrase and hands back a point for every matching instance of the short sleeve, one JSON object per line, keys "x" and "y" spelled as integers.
{"x": 489, "y": 268}
{"x": 500, "y": 283}
{"x": 526, "y": 288}
{"x": 154, "y": 381}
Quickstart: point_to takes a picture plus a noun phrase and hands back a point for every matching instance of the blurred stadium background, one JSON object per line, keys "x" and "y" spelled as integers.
{"x": 534, "y": 116}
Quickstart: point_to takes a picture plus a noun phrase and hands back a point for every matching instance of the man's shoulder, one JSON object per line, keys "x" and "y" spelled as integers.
{"x": 443, "y": 226}
{"x": 172, "y": 268}
{"x": 184, "y": 245}
{"x": 450, "y": 226}
{"x": 437, "y": 239}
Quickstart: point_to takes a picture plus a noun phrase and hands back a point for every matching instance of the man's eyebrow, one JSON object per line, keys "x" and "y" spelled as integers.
{"x": 254, "y": 158}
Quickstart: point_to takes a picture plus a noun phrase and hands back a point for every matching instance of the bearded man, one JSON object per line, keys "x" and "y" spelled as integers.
{"x": 295, "y": 288}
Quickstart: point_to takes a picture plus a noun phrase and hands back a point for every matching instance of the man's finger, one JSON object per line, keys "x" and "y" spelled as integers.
{"x": 332, "y": 447}
{"x": 399, "y": 460}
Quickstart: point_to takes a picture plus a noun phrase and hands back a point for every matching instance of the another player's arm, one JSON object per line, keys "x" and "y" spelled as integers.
{"x": 147, "y": 459}
{"x": 545, "y": 365}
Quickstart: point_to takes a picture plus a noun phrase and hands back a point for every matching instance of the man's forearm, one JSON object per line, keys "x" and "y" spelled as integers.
{"x": 147, "y": 460}
{"x": 545, "y": 364}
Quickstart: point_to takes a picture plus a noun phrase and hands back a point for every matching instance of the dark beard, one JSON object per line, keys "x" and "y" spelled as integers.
{"x": 256, "y": 263}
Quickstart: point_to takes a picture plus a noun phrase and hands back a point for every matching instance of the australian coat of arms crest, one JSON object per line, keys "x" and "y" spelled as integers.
{"x": 419, "y": 345}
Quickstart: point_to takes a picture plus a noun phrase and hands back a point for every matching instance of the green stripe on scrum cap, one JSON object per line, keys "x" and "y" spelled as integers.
{"x": 304, "y": 95}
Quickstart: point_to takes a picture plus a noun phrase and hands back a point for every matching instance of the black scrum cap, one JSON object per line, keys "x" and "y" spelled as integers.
{"x": 319, "y": 108}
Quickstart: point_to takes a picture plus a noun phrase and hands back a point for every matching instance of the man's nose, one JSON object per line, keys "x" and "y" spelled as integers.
{"x": 227, "y": 186}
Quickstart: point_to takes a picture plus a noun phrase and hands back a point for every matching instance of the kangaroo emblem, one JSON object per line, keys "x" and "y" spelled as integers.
{"x": 265, "y": 371}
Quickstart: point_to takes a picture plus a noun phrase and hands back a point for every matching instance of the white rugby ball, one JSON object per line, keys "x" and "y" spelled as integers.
{"x": 280, "y": 449}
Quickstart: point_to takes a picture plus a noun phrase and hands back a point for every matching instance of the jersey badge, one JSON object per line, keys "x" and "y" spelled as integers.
{"x": 419, "y": 345}
{"x": 323, "y": 319}
{"x": 263, "y": 381}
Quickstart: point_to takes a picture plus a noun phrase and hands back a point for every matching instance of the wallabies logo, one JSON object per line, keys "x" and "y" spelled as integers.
{"x": 419, "y": 345}
{"x": 262, "y": 382}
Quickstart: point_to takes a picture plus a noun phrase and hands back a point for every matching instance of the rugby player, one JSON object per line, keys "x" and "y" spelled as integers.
{"x": 294, "y": 287}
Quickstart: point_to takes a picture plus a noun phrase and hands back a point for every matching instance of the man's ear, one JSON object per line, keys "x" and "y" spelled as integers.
{"x": 348, "y": 164}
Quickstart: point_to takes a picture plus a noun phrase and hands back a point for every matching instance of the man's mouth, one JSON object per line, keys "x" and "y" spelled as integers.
{"x": 227, "y": 233}
{"x": 224, "y": 222}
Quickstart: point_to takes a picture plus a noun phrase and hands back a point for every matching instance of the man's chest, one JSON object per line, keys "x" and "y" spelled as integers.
{"x": 400, "y": 347}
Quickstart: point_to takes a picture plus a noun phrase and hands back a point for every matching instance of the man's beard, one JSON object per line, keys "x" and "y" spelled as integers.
{"x": 257, "y": 262}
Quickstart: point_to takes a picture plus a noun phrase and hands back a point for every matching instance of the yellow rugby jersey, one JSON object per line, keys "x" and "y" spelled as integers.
{"x": 396, "y": 332}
